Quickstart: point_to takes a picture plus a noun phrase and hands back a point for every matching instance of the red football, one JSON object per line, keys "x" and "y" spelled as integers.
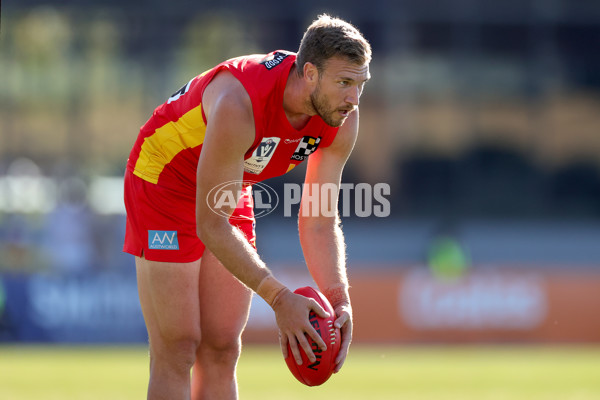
{"x": 317, "y": 373}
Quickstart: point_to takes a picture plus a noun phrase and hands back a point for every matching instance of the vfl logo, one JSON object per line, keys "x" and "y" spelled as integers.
{"x": 306, "y": 147}
{"x": 274, "y": 60}
{"x": 163, "y": 240}
{"x": 265, "y": 149}
{"x": 261, "y": 155}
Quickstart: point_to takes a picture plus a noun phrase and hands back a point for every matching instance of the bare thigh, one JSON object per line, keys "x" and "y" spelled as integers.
{"x": 169, "y": 299}
{"x": 224, "y": 304}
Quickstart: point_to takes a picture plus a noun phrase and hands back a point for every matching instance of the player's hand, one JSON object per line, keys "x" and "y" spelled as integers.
{"x": 343, "y": 321}
{"x": 291, "y": 312}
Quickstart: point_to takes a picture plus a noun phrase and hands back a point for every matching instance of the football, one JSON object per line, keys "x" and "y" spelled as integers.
{"x": 317, "y": 373}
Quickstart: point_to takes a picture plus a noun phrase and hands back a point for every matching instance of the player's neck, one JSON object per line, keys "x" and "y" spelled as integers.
{"x": 295, "y": 101}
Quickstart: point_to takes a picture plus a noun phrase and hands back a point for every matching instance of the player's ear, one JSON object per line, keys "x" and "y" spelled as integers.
{"x": 311, "y": 73}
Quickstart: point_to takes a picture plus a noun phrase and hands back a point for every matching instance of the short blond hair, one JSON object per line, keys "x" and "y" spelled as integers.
{"x": 329, "y": 37}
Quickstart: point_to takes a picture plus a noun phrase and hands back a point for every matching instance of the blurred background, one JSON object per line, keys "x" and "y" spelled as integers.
{"x": 483, "y": 117}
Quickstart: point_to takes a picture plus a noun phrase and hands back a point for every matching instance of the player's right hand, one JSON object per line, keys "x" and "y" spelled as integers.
{"x": 291, "y": 313}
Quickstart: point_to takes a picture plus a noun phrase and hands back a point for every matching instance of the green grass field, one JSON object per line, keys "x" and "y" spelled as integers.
{"x": 371, "y": 373}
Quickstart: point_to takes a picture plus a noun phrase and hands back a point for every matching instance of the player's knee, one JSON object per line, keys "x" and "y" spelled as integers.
{"x": 221, "y": 350}
{"x": 179, "y": 352}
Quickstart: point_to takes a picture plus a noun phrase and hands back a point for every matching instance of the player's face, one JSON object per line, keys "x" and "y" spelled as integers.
{"x": 338, "y": 90}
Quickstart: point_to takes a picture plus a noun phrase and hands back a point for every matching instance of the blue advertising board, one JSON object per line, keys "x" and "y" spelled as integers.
{"x": 93, "y": 308}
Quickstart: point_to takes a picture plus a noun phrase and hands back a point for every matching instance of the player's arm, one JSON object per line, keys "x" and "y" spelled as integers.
{"x": 321, "y": 237}
{"x": 229, "y": 134}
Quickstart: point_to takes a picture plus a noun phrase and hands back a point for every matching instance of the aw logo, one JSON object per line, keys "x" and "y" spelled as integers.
{"x": 163, "y": 240}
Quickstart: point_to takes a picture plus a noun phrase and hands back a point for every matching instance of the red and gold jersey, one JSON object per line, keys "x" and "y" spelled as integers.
{"x": 169, "y": 144}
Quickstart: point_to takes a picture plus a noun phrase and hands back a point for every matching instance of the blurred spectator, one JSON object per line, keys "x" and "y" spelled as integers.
{"x": 17, "y": 244}
{"x": 68, "y": 230}
{"x": 447, "y": 257}
{"x": 22, "y": 192}
{"x": 4, "y": 325}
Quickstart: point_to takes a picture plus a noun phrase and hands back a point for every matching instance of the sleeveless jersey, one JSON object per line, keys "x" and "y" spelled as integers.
{"x": 169, "y": 144}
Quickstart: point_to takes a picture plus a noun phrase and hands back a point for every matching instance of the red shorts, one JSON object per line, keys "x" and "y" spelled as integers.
{"x": 161, "y": 222}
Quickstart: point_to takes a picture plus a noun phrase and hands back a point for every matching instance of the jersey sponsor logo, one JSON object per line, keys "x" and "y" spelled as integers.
{"x": 306, "y": 147}
{"x": 261, "y": 156}
{"x": 163, "y": 240}
{"x": 274, "y": 60}
{"x": 288, "y": 141}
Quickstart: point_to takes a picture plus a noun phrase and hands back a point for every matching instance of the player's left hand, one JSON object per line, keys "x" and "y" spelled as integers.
{"x": 343, "y": 321}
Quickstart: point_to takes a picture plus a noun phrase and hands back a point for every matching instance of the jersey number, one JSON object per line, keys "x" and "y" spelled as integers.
{"x": 180, "y": 92}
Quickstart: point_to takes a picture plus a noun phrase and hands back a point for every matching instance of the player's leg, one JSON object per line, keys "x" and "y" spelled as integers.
{"x": 224, "y": 305}
{"x": 169, "y": 299}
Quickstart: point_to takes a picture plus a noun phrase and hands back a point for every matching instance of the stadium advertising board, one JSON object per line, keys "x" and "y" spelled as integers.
{"x": 391, "y": 305}
{"x": 410, "y": 305}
